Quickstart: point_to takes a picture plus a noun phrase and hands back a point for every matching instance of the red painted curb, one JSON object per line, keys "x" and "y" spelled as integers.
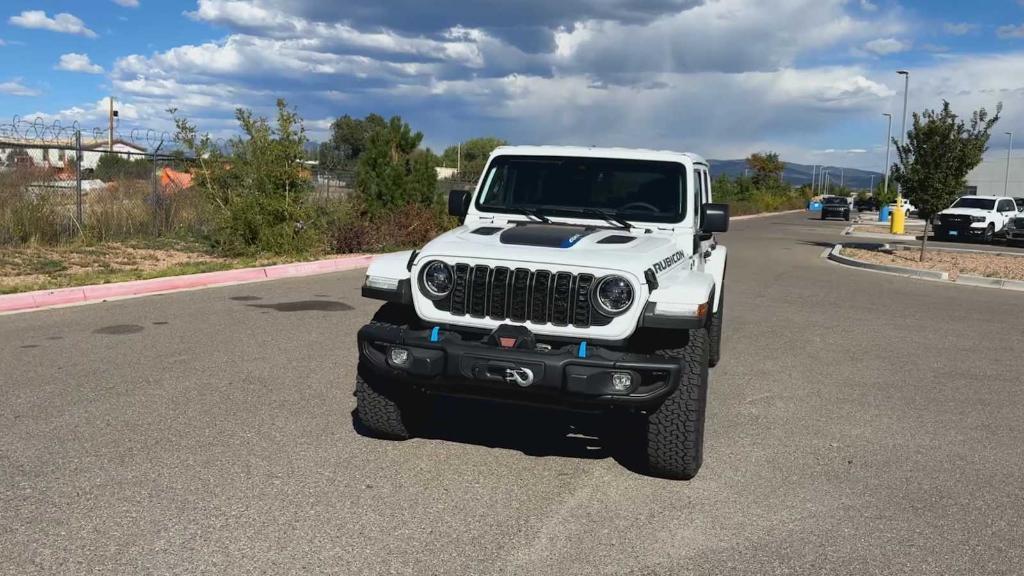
{"x": 99, "y": 292}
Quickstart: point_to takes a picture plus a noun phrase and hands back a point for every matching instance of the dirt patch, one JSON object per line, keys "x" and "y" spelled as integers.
{"x": 990, "y": 265}
{"x": 47, "y": 267}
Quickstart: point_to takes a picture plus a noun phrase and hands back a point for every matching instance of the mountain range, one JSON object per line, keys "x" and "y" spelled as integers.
{"x": 800, "y": 174}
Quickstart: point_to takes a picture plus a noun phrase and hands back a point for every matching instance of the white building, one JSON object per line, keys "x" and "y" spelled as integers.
{"x": 989, "y": 178}
{"x": 40, "y": 155}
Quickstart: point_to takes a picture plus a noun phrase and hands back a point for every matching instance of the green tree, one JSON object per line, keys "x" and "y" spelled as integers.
{"x": 767, "y": 168}
{"x": 258, "y": 188}
{"x": 474, "y": 153}
{"x": 940, "y": 150}
{"x": 111, "y": 167}
{"x": 350, "y": 137}
{"x": 392, "y": 171}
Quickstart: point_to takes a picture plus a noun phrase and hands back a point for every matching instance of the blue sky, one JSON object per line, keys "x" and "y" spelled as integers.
{"x": 807, "y": 78}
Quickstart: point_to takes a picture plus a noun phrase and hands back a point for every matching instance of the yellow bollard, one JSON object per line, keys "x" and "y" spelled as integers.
{"x": 898, "y": 217}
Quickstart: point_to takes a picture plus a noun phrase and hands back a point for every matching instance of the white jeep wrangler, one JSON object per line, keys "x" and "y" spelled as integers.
{"x": 580, "y": 277}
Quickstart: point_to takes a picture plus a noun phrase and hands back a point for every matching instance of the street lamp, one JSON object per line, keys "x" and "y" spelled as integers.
{"x": 1009, "y": 151}
{"x": 903, "y": 129}
{"x": 888, "y": 141}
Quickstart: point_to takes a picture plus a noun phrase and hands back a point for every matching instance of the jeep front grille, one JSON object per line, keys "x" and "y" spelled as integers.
{"x": 518, "y": 295}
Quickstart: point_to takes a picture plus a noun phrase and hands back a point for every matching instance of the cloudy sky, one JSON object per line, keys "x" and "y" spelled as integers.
{"x": 807, "y": 78}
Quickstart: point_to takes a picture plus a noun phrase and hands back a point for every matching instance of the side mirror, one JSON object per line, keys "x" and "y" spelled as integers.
{"x": 458, "y": 203}
{"x": 714, "y": 218}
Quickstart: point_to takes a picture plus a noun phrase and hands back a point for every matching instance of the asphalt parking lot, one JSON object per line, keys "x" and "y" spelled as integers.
{"x": 859, "y": 423}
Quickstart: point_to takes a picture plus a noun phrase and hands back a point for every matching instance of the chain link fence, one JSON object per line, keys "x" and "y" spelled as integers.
{"x": 58, "y": 184}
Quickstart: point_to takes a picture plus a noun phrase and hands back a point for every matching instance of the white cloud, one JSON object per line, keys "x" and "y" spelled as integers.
{"x": 16, "y": 88}
{"x": 958, "y": 28}
{"x": 73, "y": 62}
{"x": 885, "y": 46}
{"x": 127, "y": 3}
{"x": 868, "y": 6}
{"x": 64, "y": 23}
{"x": 1010, "y": 31}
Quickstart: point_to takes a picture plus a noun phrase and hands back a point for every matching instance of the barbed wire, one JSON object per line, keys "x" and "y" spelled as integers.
{"x": 39, "y": 131}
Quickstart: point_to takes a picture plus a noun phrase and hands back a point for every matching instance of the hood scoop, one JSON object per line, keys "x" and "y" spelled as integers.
{"x": 616, "y": 239}
{"x": 545, "y": 235}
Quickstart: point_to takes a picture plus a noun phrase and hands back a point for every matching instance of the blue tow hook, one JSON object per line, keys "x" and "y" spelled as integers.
{"x": 582, "y": 353}
{"x": 435, "y": 334}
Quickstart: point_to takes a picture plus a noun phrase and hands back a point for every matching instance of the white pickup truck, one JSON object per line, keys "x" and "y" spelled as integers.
{"x": 580, "y": 278}
{"x": 981, "y": 217}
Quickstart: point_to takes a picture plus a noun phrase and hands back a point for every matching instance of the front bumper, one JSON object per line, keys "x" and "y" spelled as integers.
{"x": 961, "y": 231}
{"x": 463, "y": 364}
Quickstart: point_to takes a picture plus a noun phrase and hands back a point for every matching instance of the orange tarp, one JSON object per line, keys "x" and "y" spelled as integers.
{"x": 172, "y": 180}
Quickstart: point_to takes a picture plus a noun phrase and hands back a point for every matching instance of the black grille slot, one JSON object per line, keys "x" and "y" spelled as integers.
{"x": 561, "y": 295}
{"x": 478, "y": 291}
{"x": 581, "y": 302}
{"x": 520, "y": 294}
{"x": 459, "y": 290}
{"x": 539, "y": 297}
{"x": 955, "y": 220}
{"x": 499, "y": 293}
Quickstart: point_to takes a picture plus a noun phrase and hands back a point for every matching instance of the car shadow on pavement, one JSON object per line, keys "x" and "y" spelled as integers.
{"x": 533, "y": 431}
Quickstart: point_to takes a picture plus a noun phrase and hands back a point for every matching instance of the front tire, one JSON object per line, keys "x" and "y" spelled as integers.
{"x": 675, "y": 431}
{"x": 990, "y": 234}
{"x": 384, "y": 410}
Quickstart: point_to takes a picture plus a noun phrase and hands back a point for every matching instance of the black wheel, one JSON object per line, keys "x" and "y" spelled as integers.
{"x": 822, "y": 215}
{"x": 715, "y": 331}
{"x": 846, "y": 216}
{"x": 674, "y": 433}
{"x": 387, "y": 409}
{"x": 990, "y": 234}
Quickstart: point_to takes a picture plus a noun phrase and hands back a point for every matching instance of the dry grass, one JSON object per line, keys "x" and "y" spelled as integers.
{"x": 990, "y": 265}
{"x": 35, "y": 267}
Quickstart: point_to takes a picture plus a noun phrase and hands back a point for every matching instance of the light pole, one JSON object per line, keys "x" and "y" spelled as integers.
{"x": 888, "y": 141}
{"x": 1009, "y": 151}
{"x": 903, "y": 129}
{"x": 814, "y": 172}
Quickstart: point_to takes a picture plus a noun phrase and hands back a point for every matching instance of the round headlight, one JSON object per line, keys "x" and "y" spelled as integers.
{"x": 437, "y": 279}
{"x": 613, "y": 295}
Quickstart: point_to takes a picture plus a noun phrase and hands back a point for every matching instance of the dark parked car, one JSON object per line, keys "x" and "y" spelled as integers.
{"x": 835, "y": 207}
{"x": 868, "y": 204}
{"x": 1020, "y": 204}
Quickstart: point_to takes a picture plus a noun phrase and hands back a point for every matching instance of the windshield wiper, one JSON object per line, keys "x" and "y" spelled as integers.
{"x": 535, "y": 212}
{"x": 608, "y": 216}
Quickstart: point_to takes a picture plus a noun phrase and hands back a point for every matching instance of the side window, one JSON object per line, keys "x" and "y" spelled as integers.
{"x": 707, "y": 186}
{"x": 1006, "y": 206}
{"x": 698, "y": 196}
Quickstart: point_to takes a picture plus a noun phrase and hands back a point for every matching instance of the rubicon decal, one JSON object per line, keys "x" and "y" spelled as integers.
{"x": 663, "y": 265}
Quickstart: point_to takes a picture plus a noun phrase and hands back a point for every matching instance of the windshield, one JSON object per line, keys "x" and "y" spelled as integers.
{"x": 979, "y": 203}
{"x": 835, "y": 200}
{"x": 564, "y": 186}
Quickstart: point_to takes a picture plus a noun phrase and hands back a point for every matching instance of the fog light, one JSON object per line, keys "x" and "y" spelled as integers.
{"x": 399, "y": 356}
{"x": 621, "y": 381}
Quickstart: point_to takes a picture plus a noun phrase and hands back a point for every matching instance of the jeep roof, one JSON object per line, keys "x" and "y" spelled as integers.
{"x": 596, "y": 152}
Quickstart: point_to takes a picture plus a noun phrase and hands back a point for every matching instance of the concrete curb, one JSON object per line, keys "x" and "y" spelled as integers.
{"x": 850, "y": 232}
{"x": 835, "y": 255}
{"x": 766, "y": 214}
{"x": 40, "y": 299}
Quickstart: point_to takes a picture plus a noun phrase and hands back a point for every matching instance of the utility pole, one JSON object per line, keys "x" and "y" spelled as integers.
{"x": 814, "y": 170}
{"x": 842, "y": 177}
{"x": 1009, "y": 151}
{"x": 458, "y": 160}
{"x": 110, "y": 118}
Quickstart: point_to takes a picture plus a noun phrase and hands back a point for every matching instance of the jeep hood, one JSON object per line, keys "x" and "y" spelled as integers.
{"x": 554, "y": 245}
